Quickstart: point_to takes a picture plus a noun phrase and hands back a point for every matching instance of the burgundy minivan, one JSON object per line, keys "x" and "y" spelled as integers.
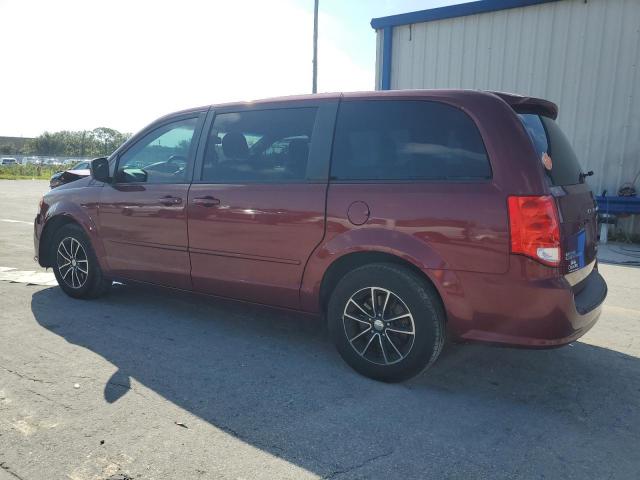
{"x": 402, "y": 216}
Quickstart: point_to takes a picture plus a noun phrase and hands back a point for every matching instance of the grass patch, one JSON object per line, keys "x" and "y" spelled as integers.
{"x": 28, "y": 172}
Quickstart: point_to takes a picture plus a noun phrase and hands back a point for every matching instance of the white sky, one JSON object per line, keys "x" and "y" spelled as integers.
{"x": 73, "y": 64}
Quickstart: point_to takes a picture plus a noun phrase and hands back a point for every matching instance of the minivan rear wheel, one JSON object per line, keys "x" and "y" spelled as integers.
{"x": 75, "y": 264}
{"x": 386, "y": 321}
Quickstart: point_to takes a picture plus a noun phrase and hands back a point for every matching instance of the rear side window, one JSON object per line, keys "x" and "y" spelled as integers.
{"x": 259, "y": 146}
{"x": 407, "y": 140}
{"x": 554, "y": 150}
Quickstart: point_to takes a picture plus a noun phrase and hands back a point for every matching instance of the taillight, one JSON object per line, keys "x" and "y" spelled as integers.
{"x": 535, "y": 228}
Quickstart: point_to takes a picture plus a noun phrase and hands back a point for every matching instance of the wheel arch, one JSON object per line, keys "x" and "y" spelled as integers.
{"x": 345, "y": 263}
{"x": 48, "y": 232}
{"x": 355, "y": 247}
{"x": 53, "y": 224}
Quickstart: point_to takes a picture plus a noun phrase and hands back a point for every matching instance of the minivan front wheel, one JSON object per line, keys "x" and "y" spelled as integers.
{"x": 75, "y": 264}
{"x": 386, "y": 321}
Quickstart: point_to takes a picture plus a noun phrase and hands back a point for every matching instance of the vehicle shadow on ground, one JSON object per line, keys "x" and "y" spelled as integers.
{"x": 273, "y": 380}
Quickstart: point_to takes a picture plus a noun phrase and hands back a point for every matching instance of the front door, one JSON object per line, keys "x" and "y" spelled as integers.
{"x": 143, "y": 213}
{"x": 257, "y": 205}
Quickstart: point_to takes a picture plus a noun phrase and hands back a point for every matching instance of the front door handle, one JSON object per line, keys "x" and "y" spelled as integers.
{"x": 169, "y": 200}
{"x": 206, "y": 201}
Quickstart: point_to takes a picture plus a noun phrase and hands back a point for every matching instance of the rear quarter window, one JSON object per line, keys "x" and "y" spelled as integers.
{"x": 407, "y": 140}
{"x": 547, "y": 137}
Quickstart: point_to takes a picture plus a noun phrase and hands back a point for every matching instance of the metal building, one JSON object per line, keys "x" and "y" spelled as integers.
{"x": 583, "y": 55}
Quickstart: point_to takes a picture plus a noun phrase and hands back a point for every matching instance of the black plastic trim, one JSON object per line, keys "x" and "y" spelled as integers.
{"x": 592, "y": 294}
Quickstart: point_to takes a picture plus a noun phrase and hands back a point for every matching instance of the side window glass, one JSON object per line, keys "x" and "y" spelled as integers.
{"x": 407, "y": 140}
{"x": 159, "y": 157}
{"x": 259, "y": 146}
{"x": 534, "y": 127}
{"x": 563, "y": 167}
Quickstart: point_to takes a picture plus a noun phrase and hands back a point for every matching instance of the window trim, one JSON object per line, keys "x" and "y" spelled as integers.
{"x": 459, "y": 180}
{"x": 195, "y": 140}
{"x": 319, "y": 153}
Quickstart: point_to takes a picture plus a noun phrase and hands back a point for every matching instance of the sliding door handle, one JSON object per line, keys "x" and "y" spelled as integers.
{"x": 207, "y": 201}
{"x": 169, "y": 200}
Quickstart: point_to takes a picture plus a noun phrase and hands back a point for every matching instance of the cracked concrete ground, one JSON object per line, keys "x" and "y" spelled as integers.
{"x": 155, "y": 385}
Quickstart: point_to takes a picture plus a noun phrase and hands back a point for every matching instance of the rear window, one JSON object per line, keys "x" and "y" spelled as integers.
{"x": 554, "y": 150}
{"x": 407, "y": 140}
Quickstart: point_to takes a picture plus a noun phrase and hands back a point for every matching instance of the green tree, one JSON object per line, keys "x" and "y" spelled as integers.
{"x": 86, "y": 143}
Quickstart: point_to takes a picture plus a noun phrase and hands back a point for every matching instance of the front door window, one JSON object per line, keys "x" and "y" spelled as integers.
{"x": 160, "y": 157}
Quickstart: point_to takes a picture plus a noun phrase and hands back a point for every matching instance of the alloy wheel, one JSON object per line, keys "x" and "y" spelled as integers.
{"x": 379, "y": 326}
{"x": 73, "y": 263}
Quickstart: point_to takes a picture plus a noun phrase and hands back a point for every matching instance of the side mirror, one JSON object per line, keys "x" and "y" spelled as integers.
{"x": 100, "y": 170}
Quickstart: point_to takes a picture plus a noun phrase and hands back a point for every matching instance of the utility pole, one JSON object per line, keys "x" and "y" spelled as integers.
{"x": 315, "y": 47}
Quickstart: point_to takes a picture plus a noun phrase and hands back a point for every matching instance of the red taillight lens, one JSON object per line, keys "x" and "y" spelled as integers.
{"x": 535, "y": 228}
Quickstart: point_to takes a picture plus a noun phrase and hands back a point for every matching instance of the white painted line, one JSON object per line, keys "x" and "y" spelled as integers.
{"x": 29, "y": 277}
{"x": 8, "y": 220}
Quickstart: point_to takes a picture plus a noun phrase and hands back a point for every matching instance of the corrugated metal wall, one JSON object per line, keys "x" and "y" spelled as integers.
{"x": 583, "y": 55}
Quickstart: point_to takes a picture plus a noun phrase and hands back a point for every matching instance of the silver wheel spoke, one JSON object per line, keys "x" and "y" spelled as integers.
{"x": 64, "y": 275}
{"x": 83, "y": 271}
{"x": 400, "y": 331}
{"x": 384, "y": 354}
{"x": 399, "y": 317}
{"x": 356, "y": 319}
{"x": 367, "y": 345}
{"x": 373, "y": 301}
{"x": 393, "y": 345}
{"x": 359, "y": 307}
{"x": 64, "y": 247}
{"x": 386, "y": 300}
{"x": 360, "y": 334}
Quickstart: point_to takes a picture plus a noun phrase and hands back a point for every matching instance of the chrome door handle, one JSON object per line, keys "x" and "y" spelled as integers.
{"x": 206, "y": 201}
{"x": 169, "y": 200}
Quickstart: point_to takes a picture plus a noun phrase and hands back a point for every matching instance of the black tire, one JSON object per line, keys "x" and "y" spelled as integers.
{"x": 408, "y": 293}
{"x": 71, "y": 278}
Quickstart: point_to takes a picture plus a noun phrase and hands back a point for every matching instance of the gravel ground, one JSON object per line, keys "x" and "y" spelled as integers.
{"x": 156, "y": 385}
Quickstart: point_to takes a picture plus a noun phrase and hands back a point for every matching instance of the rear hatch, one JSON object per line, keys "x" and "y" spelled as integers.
{"x": 576, "y": 206}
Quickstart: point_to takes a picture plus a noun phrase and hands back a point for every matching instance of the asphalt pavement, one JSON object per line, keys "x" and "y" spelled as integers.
{"x": 154, "y": 384}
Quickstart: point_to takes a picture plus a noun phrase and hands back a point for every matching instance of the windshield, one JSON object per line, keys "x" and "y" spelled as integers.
{"x": 554, "y": 150}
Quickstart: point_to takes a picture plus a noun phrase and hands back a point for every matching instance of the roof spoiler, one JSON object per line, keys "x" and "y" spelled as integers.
{"x": 529, "y": 104}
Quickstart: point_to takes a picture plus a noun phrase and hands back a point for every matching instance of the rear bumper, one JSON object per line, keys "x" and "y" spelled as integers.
{"x": 591, "y": 295}
{"x": 523, "y": 310}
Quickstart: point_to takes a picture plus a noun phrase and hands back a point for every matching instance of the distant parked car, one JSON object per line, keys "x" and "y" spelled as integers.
{"x": 9, "y": 161}
{"x": 81, "y": 170}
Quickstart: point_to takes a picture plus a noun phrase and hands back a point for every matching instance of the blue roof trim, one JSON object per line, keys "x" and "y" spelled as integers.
{"x": 452, "y": 11}
{"x": 387, "y": 37}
